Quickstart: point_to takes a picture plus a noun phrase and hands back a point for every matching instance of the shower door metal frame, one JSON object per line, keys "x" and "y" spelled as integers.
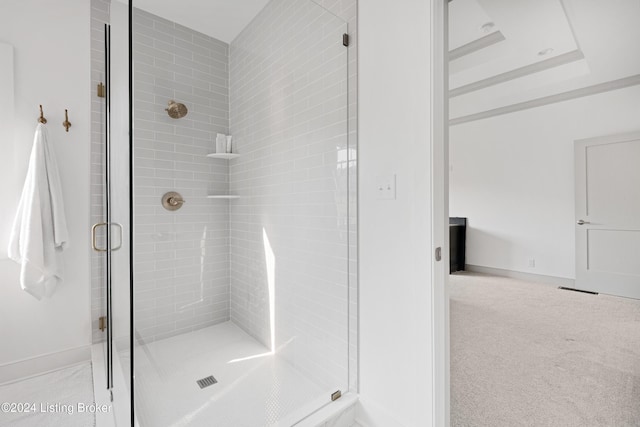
{"x": 107, "y": 206}
{"x": 131, "y": 220}
{"x": 107, "y": 320}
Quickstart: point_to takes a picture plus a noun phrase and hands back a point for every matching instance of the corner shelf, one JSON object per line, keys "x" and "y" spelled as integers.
{"x": 227, "y": 156}
{"x": 222, "y": 196}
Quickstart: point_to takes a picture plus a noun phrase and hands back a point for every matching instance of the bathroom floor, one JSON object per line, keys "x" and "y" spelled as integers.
{"x": 54, "y": 399}
{"x": 252, "y": 386}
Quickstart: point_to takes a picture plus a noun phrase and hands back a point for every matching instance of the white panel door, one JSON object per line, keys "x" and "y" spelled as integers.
{"x": 608, "y": 215}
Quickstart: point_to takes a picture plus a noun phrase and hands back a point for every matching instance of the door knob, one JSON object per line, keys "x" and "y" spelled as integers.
{"x": 582, "y": 222}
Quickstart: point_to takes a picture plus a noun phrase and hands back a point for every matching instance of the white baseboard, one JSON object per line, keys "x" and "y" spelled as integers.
{"x": 22, "y": 369}
{"x": 530, "y": 277}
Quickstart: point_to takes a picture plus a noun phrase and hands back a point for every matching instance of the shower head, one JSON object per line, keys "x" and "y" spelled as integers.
{"x": 176, "y": 110}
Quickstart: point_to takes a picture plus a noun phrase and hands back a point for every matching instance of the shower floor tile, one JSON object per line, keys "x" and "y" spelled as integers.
{"x": 255, "y": 388}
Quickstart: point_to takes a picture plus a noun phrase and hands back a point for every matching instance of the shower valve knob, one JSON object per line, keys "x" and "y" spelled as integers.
{"x": 172, "y": 201}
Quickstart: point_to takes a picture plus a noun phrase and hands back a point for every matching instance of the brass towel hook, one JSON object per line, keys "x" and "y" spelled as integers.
{"x": 42, "y": 119}
{"x": 66, "y": 123}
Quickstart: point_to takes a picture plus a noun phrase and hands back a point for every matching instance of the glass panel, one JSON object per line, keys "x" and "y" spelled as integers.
{"x": 119, "y": 205}
{"x": 111, "y": 68}
{"x": 100, "y": 217}
{"x": 107, "y": 322}
{"x": 247, "y": 280}
{"x": 100, "y": 257}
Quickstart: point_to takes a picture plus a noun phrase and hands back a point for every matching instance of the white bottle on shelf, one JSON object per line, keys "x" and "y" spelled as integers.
{"x": 221, "y": 143}
{"x": 229, "y": 146}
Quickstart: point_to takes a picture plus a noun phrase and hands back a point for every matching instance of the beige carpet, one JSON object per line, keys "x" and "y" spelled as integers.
{"x": 526, "y": 354}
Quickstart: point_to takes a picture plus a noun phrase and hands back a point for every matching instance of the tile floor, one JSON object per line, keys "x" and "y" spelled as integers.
{"x": 58, "y": 398}
{"x": 273, "y": 392}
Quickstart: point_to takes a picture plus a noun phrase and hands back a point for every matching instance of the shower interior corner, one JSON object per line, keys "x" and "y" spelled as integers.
{"x": 244, "y": 306}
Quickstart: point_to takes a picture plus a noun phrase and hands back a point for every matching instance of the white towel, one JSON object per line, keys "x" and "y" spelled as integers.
{"x": 39, "y": 232}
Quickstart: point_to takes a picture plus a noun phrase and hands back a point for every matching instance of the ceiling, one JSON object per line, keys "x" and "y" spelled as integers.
{"x": 220, "y": 19}
{"x": 502, "y": 53}
{"x": 505, "y": 53}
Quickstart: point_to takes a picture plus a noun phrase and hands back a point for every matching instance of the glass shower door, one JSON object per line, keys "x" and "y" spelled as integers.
{"x": 110, "y": 233}
{"x": 101, "y": 231}
{"x": 119, "y": 212}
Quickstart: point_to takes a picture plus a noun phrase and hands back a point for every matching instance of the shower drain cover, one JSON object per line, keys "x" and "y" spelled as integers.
{"x": 206, "y": 382}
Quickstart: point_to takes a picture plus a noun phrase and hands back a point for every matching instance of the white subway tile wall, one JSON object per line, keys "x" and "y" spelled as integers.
{"x": 99, "y": 16}
{"x": 290, "y": 227}
{"x": 181, "y": 257}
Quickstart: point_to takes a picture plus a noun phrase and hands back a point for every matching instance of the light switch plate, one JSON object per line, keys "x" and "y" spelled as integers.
{"x": 386, "y": 187}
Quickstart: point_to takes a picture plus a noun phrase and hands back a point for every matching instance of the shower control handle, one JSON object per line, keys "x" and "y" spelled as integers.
{"x": 175, "y": 201}
{"x": 172, "y": 201}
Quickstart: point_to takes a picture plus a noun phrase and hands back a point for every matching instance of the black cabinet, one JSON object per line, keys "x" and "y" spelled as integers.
{"x": 457, "y": 242}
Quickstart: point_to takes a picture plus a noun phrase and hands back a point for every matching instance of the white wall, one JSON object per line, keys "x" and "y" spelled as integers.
{"x": 11, "y": 194}
{"x": 51, "y": 47}
{"x": 395, "y": 235}
{"x": 513, "y": 178}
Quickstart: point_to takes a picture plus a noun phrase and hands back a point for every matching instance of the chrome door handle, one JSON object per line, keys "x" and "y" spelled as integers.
{"x": 120, "y": 241}
{"x": 582, "y": 222}
{"x": 94, "y": 237}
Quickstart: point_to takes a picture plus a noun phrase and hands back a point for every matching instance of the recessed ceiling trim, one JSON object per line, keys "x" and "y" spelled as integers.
{"x": 551, "y": 99}
{"x": 546, "y": 64}
{"x": 476, "y": 45}
{"x": 573, "y": 31}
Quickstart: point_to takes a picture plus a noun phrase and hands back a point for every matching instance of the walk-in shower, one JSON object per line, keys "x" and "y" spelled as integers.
{"x": 237, "y": 307}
